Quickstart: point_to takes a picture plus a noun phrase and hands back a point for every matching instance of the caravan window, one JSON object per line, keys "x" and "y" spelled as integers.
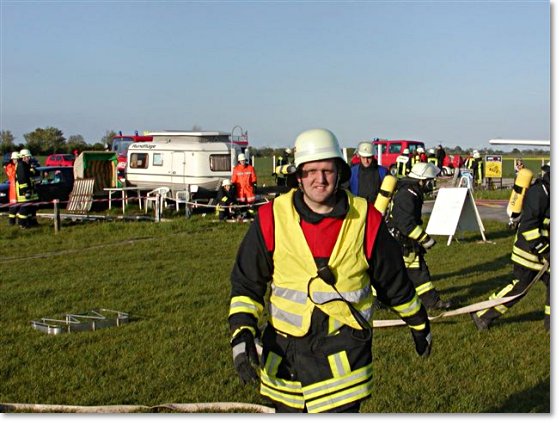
{"x": 220, "y": 162}
{"x": 158, "y": 159}
{"x": 139, "y": 160}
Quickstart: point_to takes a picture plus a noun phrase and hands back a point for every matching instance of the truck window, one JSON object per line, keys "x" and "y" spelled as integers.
{"x": 139, "y": 160}
{"x": 395, "y": 148}
{"x": 220, "y": 162}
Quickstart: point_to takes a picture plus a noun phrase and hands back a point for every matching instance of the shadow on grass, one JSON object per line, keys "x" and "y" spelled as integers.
{"x": 534, "y": 400}
{"x": 481, "y": 267}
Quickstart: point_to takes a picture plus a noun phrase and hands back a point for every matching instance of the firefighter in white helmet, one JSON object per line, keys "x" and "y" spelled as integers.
{"x": 405, "y": 223}
{"x": 10, "y": 170}
{"x": 26, "y": 194}
{"x": 317, "y": 251}
{"x": 366, "y": 176}
{"x": 244, "y": 178}
{"x": 403, "y": 163}
{"x": 225, "y": 199}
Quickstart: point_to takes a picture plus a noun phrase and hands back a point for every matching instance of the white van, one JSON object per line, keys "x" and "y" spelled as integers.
{"x": 182, "y": 160}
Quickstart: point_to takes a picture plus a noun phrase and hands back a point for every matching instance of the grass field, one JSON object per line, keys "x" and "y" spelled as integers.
{"x": 173, "y": 279}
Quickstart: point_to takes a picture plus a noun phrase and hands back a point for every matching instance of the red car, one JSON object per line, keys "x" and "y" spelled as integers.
{"x": 60, "y": 160}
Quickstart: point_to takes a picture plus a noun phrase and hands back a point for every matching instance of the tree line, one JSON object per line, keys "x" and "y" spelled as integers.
{"x": 50, "y": 140}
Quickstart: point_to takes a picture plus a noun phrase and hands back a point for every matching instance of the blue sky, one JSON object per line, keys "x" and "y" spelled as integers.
{"x": 455, "y": 73}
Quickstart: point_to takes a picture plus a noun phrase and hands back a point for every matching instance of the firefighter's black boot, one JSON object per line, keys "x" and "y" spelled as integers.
{"x": 480, "y": 323}
{"x": 440, "y": 305}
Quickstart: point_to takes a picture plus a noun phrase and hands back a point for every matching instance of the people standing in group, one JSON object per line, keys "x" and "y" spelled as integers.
{"x": 403, "y": 163}
{"x": 312, "y": 257}
{"x": 405, "y": 223}
{"x": 225, "y": 200}
{"x": 366, "y": 177}
{"x": 26, "y": 194}
{"x": 244, "y": 178}
{"x": 531, "y": 250}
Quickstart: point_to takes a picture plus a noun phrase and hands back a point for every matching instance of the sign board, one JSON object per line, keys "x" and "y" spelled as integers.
{"x": 454, "y": 209}
{"x": 493, "y": 166}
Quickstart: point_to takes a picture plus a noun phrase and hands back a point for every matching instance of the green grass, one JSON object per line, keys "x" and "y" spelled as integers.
{"x": 173, "y": 279}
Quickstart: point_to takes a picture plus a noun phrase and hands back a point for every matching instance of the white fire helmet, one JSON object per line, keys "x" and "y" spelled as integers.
{"x": 476, "y": 155}
{"x": 14, "y": 156}
{"x": 25, "y": 153}
{"x": 241, "y": 157}
{"x": 319, "y": 144}
{"x": 365, "y": 149}
{"x": 288, "y": 151}
{"x": 420, "y": 149}
{"x": 424, "y": 171}
{"x": 226, "y": 182}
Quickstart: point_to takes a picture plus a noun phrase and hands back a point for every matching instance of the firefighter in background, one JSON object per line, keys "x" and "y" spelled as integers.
{"x": 403, "y": 163}
{"x": 531, "y": 248}
{"x": 284, "y": 159}
{"x": 25, "y": 191}
{"x": 366, "y": 177}
{"x": 10, "y": 170}
{"x": 440, "y": 154}
{"x": 432, "y": 157}
{"x": 319, "y": 249}
{"x": 477, "y": 168}
{"x": 422, "y": 157}
{"x": 244, "y": 178}
{"x": 405, "y": 224}
{"x": 225, "y": 199}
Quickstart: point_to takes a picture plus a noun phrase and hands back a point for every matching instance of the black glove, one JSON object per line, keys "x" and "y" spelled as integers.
{"x": 422, "y": 341}
{"x": 428, "y": 242}
{"x": 27, "y": 195}
{"x": 245, "y": 357}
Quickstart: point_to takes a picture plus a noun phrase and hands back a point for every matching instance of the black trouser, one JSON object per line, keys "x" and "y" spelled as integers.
{"x": 308, "y": 360}
{"x": 12, "y": 213}
{"x": 522, "y": 277}
{"x": 27, "y": 214}
{"x": 421, "y": 279}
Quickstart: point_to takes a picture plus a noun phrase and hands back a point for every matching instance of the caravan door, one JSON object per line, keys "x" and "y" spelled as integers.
{"x": 178, "y": 168}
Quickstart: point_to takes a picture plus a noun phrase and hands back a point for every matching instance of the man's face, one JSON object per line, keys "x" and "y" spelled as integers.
{"x": 318, "y": 182}
{"x": 366, "y": 161}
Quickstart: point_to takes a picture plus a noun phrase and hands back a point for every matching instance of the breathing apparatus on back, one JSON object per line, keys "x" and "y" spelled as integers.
{"x": 385, "y": 193}
{"x": 515, "y": 203}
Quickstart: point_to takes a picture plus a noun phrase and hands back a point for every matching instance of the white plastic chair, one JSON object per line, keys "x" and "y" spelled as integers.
{"x": 159, "y": 197}
{"x": 185, "y": 197}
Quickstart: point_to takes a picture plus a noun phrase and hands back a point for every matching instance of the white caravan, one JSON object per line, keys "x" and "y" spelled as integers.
{"x": 182, "y": 161}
